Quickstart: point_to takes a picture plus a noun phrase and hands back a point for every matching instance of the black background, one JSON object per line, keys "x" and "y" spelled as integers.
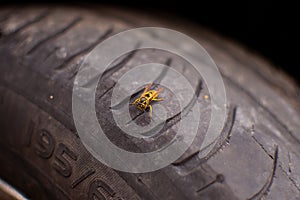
{"x": 267, "y": 27}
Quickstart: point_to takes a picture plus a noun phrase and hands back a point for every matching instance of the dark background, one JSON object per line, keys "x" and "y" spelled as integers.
{"x": 267, "y": 27}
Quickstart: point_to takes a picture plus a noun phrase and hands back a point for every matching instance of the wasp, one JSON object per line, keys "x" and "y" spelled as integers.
{"x": 143, "y": 102}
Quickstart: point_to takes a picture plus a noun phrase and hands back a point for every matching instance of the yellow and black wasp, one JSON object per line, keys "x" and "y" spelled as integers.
{"x": 143, "y": 102}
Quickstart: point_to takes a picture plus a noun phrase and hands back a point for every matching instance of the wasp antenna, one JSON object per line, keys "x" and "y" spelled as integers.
{"x": 147, "y": 88}
{"x": 160, "y": 90}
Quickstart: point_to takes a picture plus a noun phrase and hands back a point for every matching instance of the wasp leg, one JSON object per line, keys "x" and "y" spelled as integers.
{"x": 155, "y": 99}
{"x": 135, "y": 102}
{"x": 156, "y": 93}
{"x": 150, "y": 110}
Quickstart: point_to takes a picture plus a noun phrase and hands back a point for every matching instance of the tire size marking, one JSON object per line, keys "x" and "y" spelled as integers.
{"x": 96, "y": 186}
{"x": 45, "y": 147}
{"x": 61, "y": 164}
{"x": 45, "y": 144}
{"x": 82, "y": 178}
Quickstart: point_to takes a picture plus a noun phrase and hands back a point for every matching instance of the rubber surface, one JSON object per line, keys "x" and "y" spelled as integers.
{"x": 258, "y": 153}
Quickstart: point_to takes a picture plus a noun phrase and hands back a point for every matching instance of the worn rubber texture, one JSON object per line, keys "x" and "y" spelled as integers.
{"x": 257, "y": 155}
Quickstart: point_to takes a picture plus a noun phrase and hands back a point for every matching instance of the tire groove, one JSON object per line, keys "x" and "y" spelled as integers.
{"x": 227, "y": 130}
{"x": 119, "y": 65}
{"x": 85, "y": 50}
{"x": 29, "y": 23}
{"x": 6, "y": 16}
{"x": 135, "y": 117}
{"x": 272, "y": 157}
{"x": 266, "y": 188}
{"x": 10, "y": 12}
{"x": 49, "y": 54}
{"x": 109, "y": 89}
{"x": 54, "y": 35}
{"x": 219, "y": 179}
{"x": 186, "y": 109}
{"x": 110, "y": 71}
{"x": 263, "y": 107}
{"x": 289, "y": 164}
{"x": 164, "y": 72}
